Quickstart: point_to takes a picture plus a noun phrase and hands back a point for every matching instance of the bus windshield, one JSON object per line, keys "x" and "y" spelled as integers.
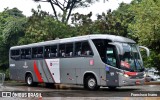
{"x": 130, "y": 59}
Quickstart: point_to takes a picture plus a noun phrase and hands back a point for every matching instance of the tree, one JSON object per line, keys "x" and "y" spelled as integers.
{"x": 124, "y": 17}
{"x": 82, "y": 23}
{"x": 12, "y": 27}
{"x": 42, "y": 27}
{"x": 106, "y": 23}
{"x": 66, "y": 7}
{"x": 146, "y": 27}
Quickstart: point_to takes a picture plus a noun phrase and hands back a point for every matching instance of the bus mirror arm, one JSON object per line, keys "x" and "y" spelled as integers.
{"x": 147, "y": 50}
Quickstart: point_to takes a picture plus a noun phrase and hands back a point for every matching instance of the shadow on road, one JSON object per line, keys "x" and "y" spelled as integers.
{"x": 69, "y": 87}
{"x": 61, "y": 90}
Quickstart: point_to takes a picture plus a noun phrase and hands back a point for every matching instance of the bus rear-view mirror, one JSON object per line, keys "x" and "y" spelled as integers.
{"x": 146, "y": 49}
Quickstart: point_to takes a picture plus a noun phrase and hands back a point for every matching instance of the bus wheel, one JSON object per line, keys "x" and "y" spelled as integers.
{"x": 91, "y": 83}
{"x": 29, "y": 80}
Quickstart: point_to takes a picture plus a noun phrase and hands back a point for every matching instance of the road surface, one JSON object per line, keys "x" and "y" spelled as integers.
{"x": 19, "y": 90}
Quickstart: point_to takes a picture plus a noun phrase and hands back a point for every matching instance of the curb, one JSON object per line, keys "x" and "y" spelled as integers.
{"x": 152, "y": 83}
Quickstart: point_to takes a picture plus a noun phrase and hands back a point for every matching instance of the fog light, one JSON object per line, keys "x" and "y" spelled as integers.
{"x": 126, "y": 75}
{"x": 144, "y": 74}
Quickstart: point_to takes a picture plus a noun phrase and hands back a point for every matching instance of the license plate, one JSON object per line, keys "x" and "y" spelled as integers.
{"x": 138, "y": 82}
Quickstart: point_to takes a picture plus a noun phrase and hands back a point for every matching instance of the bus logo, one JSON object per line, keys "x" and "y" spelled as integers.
{"x": 25, "y": 65}
{"x": 91, "y": 62}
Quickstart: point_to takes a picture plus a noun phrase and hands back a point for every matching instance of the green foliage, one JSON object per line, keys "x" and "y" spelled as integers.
{"x": 146, "y": 27}
{"x": 153, "y": 60}
{"x": 109, "y": 23}
{"x": 6, "y": 72}
{"x": 147, "y": 22}
{"x": 42, "y": 27}
{"x": 12, "y": 28}
{"x": 139, "y": 20}
{"x": 82, "y": 23}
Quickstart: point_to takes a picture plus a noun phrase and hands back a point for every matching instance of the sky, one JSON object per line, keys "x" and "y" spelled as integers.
{"x": 26, "y": 5}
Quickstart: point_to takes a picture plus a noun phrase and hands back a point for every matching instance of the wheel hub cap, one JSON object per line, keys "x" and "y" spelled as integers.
{"x": 29, "y": 81}
{"x": 91, "y": 83}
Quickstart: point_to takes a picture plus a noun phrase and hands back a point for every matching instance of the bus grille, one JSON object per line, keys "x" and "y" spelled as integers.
{"x": 139, "y": 76}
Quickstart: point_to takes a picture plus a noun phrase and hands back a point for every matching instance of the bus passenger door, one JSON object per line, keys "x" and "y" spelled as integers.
{"x": 111, "y": 61}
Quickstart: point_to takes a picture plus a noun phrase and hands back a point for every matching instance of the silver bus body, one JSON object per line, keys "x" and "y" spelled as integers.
{"x": 72, "y": 67}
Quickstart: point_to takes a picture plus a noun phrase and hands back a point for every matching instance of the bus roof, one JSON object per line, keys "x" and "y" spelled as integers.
{"x": 112, "y": 38}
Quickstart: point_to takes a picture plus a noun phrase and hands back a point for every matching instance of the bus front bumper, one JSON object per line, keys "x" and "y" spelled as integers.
{"x": 131, "y": 82}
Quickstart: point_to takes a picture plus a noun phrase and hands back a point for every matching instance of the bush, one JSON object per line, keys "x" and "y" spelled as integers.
{"x": 6, "y": 72}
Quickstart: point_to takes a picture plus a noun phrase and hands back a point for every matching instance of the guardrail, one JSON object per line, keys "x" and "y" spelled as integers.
{"x": 2, "y": 78}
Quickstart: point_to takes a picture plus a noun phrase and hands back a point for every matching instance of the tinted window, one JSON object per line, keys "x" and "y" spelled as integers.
{"x": 69, "y": 50}
{"x": 51, "y": 51}
{"x": 47, "y": 51}
{"x": 26, "y": 53}
{"x": 15, "y": 54}
{"x": 37, "y": 52}
{"x": 83, "y": 49}
{"x": 54, "y": 51}
{"x": 86, "y": 49}
{"x": 78, "y": 49}
{"x": 101, "y": 48}
{"x": 107, "y": 52}
{"x": 66, "y": 50}
{"x": 62, "y": 50}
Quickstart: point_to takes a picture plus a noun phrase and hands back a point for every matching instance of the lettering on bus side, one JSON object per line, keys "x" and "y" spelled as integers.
{"x": 12, "y": 65}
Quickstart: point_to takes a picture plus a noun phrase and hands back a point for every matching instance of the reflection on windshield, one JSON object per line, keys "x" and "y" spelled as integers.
{"x": 130, "y": 60}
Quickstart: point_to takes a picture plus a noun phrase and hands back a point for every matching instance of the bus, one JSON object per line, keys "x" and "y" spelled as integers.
{"x": 90, "y": 60}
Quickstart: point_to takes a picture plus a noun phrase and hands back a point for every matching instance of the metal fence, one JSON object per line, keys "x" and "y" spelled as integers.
{"x": 2, "y": 78}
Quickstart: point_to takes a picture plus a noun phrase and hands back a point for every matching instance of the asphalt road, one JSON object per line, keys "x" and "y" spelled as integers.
{"x": 20, "y": 91}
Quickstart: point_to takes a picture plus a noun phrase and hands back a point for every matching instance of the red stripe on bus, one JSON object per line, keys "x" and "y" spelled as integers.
{"x": 131, "y": 73}
{"x": 37, "y": 73}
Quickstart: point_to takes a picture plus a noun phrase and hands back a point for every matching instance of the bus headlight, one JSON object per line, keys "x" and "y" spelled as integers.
{"x": 126, "y": 75}
{"x": 144, "y": 74}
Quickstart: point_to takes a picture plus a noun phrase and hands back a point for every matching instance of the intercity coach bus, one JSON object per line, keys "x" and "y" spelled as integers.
{"x": 91, "y": 61}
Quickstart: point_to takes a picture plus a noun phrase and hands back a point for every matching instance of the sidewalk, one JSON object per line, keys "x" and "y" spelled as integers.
{"x": 152, "y": 83}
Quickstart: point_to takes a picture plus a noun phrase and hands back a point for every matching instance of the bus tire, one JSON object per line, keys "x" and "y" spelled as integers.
{"x": 29, "y": 80}
{"x": 91, "y": 83}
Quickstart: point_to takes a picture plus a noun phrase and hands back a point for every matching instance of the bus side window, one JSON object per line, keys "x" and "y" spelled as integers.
{"x": 40, "y": 52}
{"x": 23, "y": 54}
{"x": 47, "y": 52}
{"x": 78, "y": 49}
{"x": 26, "y": 53}
{"x": 69, "y": 50}
{"x": 62, "y": 50}
{"x": 15, "y": 54}
{"x": 54, "y": 51}
{"x": 86, "y": 49}
{"x": 34, "y": 52}
{"x": 37, "y": 52}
